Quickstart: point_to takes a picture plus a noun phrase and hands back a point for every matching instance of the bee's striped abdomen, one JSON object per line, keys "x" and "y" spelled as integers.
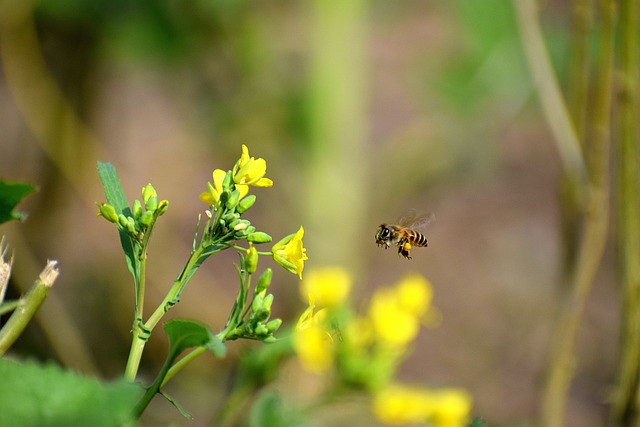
{"x": 417, "y": 239}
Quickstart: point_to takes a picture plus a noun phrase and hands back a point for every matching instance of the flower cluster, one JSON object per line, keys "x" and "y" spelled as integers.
{"x": 228, "y": 198}
{"x": 137, "y": 220}
{"x": 363, "y": 351}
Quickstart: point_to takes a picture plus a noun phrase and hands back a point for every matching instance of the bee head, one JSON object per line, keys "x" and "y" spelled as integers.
{"x": 383, "y": 234}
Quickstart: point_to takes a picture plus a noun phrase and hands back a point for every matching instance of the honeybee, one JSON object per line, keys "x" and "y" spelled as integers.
{"x": 404, "y": 234}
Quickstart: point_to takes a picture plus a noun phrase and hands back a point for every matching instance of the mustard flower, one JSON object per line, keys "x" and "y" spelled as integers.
{"x": 402, "y": 404}
{"x": 312, "y": 342}
{"x": 212, "y": 196}
{"x": 329, "y": 286}
{"x": 396, "y": 312}
{"x": 290, "y": 253}
{"x": 251, "y": 171}
{"x": 391, "y": 323}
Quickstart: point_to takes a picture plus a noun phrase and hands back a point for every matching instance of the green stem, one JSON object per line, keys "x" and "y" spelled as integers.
{"x": 27, "y": 307}
{"x": 177, "y": 367}
{"x": 141, "y": 332}
{"x": 625, "y": 405}
{"x": 551, "y": 100}
{"x": 594, "y": 236}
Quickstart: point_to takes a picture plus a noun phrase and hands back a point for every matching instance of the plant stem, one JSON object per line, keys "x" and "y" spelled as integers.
{"x": 594, "y": 236}
{"x": 27, "y": 307}
{"x": 553, "y": 105}
{"x": 625, "y": 405}
{"x": 141, "y": 332}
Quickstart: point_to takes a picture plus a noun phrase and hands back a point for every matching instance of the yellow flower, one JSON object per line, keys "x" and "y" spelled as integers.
{"x": 391, "y": 322}
{"x": 312, "y": 342}
{"x": 396, "y": 312}
{"x": 329, "y": 286}
{"x": 212, "y": 196}
{"x": 290, "y": 252}
{"x": 251, "y": 171}
{"x": 452, "y": 408}
{"x": 402, "y": 404}
{"x": 415, "y": 294}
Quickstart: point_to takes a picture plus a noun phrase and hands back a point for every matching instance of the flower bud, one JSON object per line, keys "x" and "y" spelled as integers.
{"x": 267, "y": 302}
{"x": 273, "y": 325}
{"x": 137, "y": 209}
{"x": 259, "y": 237}
{"x": 150, "y": 198}
{"x": 270, "y": 339}
{"x": 246, "y": 203}
{"x": 233, "y": 199}
{"x": 264, "y": 281}
{"x": 228, "y": 180}
{"x": 108, "y": 212}
{"x": 251, "y": 260}
{"x": 256, "y": 304}
{"x": 131, "y": 226}
{"x": 162, "y": 207}
{"x": 224, "y": 196}
{"x": 147, "y": 218}
{"x": 261, "y": 330}
{"x": 123, "y": 221}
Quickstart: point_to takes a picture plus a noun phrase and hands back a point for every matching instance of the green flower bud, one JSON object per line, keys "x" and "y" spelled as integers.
{"x": 227, "y": 182}
{"x": 147, "y": 218}
{"x": 274, "y": 325}
{"x": 123, "y": 221}
{"x": 162, "y": 207}
{"x": 131, "y": 226}
{"x": 150, "y": 198}
{"x": 108, "y": 212}
{"x": 246, "y": 203}
{"x": 259, "y": 237}
{"x": 264, "y": 281}
{"x": 239, "y": 224}
{"x": 270, "y": 339}
{"x": 137, "y": 209}
{"x": 267, "y": 302}
{"x": 251, "y": 260}
{"x": 256, "y": 304}
{"x": 261, "y": 330}
{"x": 233, "y": 199}
{"x": 224, "y": 196}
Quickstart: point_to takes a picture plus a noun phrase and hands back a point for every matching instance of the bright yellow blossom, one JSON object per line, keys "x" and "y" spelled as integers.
{"x": 329, "y": 286}
{"x": 312, "y": 342}
{"x": 251, "y": 171}
{"x": 396, "y": 312}
{"x": 212, "y": 196}
{"x": 402, "y": 404}
{"x": 290, "y": 253}
{"x": 415, "y": 294}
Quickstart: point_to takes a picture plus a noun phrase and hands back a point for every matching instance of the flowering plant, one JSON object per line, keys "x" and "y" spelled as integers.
{"x": 225, "y": 228}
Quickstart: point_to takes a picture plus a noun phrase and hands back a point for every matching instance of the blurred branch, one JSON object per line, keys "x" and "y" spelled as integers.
{"x": 336, "y": 196}
{"x": 594, "y": 232}
{"x": 60, "y": 133}
{"x": 553, "y": 105}
{"x": 626, "y": 397}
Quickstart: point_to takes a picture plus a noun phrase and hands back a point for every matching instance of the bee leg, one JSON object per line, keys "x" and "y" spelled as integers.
{"x": 403, "y": 248}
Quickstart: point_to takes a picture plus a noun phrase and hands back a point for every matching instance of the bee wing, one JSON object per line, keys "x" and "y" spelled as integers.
{"x": 406, "y": 218}
{"x": 409, "y": 219}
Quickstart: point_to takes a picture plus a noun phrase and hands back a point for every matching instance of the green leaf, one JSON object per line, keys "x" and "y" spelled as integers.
{"x": 116, "y": 198}
{"x": 184, "y": 334}
{"x": 268, "y": 411}
{"x": 179, "y": 407}
{"x": 45, "y": 395}
{"x": 11, "y": 193}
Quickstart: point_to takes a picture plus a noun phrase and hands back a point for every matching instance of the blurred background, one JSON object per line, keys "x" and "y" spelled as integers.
{"x": 362, "y": 109}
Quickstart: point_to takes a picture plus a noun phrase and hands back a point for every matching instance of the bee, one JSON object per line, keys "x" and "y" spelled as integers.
{"x": 404, "y": 234}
